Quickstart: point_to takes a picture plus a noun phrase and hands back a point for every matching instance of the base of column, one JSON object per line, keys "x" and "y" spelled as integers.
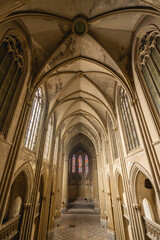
{"x": 57, "y": 222}
{"x": 97, "y": 210}
{"x": 111, "y": 235}
{"x": 103, "y": 223}
{"x": 63, "y": 209}
{"x": 58, "y": 213}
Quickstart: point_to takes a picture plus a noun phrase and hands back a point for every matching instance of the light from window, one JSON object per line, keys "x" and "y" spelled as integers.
{"x": 80, "y": 164}
{"x": 86, "y": 163}
{"x": 148, "y": 209}
{"x": 73, "y": 164}
{"x": 34, "y": 121}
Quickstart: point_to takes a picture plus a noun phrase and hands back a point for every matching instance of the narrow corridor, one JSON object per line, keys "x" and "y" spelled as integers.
{"x": 80, "y": 222}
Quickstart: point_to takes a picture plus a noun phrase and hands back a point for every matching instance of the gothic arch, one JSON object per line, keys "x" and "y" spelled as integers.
{"x": 27, "y": 169}
{"x": 135, "y": 169}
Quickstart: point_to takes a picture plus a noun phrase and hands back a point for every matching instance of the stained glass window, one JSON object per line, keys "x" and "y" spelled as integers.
{"x": 80, "y": 164}
{"x": 86, "y": 163}
{"x": 73, "y": 164}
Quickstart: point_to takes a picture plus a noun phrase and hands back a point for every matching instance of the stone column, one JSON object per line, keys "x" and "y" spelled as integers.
{"x": 26, "y": 206}
{"x": 120, "y": 234}
{"x": 95, "y": 185}
{"x": 65, "y": 185}
{"x": 30, "y": 213}
{"x": 44, "y": 221}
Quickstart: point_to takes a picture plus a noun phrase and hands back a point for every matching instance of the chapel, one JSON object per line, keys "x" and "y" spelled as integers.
{"x": 80, "y": 120}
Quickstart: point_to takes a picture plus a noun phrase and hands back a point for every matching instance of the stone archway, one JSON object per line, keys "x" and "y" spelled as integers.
{"x": 145, "y": 199}
{"x": 19, "y": 197}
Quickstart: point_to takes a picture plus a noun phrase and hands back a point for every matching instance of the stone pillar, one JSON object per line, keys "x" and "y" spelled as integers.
{"x": 44, "y": 221}
{"x": 30, "y": 213}
{"x": 95, "y": 185}
{"x": 26, "y": 206}
{"x": 42, "y": 213}
{"x": 137, "y": 209}
{"x": 65, "y": 186}
{"x": 120, "y": 234}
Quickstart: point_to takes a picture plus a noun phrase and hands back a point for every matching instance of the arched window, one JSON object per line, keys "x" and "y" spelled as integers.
{"x": 11, "y": 67}
{"x": 150, "y": 64}
{"x": 47, "y": 145}
{"x": 80, "y": 164}
{"x": 113, "y": 139}
{"x": 131, "y": 135}
{"x": 34, "y": 121}
{"x": 74, "y": 164}
{"x": 86, "y": 163}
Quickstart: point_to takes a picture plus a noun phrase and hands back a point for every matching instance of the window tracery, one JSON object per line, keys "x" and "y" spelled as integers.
{"x": 131, "y": 135}
{"x": 34, "y": 121}
{"x": 11, "y": 67}
{"x": 80, "y": 164}
{"x": 150, "y": 64}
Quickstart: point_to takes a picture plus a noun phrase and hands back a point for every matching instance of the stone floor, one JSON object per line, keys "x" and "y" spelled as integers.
{"x": 79, "y": 223}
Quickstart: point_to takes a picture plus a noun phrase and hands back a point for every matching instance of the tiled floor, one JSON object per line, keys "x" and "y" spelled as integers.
{"x": 77, "y": 224}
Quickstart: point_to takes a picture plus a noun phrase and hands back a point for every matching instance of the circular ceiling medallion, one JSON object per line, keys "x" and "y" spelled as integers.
{"x": 80, "y": 26}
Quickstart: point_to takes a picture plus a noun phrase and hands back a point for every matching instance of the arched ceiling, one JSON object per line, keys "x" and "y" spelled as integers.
{"x": 80, "y": 141}
{"x": 80, "y": 73}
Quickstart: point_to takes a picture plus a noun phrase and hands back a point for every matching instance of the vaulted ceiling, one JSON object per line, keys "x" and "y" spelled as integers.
{"x": 80, "y": 72}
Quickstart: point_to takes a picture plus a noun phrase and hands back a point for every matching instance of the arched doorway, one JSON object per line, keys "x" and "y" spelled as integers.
{"x": 15, "y": 207}
{"x": 147, "y": 199}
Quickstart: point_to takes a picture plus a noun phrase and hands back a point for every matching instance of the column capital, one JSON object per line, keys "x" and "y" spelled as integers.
{"x": 115, "y": 128}
{"x": 133, "y": 101}
{"x": 137, "y": 206}
{"x": 27, "y": 205}
{"x": 44, "y": 198}
{"x": 118, "y": 198}
{"x": 29, "y": 103}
